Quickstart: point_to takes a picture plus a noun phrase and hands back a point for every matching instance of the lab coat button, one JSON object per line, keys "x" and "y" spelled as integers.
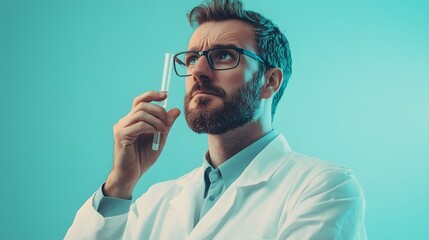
{"x": 211, "y": 198}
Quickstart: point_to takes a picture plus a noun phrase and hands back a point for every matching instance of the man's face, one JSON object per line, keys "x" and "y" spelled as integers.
{"x": 218, "y": 101}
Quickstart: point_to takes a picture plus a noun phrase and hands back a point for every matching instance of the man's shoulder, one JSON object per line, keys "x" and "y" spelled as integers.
{"x": 308, "y": 167}
{"x": 287, "y": 162}
{"x": 320, "y": 175}
{"x": 309, "y": 163}
{"x": 279, "y": 149}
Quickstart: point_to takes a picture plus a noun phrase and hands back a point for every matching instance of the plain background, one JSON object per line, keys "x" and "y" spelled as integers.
{"x": 69, "y": 70}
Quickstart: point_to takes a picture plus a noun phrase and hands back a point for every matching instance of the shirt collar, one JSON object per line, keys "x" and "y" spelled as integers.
{"x": 233, "y": 167}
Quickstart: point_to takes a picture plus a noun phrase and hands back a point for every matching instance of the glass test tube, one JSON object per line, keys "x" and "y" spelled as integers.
{"x": 166, "y": 76}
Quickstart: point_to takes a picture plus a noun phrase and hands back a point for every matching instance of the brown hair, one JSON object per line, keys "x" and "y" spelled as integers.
{"x": 272, "y": 44}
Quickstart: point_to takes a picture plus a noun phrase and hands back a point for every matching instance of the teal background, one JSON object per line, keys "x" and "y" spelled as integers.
{"x": 69, "y": 70}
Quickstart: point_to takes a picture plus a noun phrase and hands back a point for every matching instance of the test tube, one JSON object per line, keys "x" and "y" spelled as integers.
{"x": 165, "y": 84}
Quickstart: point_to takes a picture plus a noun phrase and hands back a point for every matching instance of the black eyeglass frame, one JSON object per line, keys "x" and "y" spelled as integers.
{"x": 205, "y": 53}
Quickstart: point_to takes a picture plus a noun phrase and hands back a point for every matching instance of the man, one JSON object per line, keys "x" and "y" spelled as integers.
{"x": 251, "y": 185}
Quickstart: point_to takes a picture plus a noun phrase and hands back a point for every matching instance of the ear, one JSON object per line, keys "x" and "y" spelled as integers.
{"x": 273, "y": 81}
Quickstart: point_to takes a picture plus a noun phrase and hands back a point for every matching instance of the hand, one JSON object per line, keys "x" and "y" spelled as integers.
{"x": 133, "y": 135}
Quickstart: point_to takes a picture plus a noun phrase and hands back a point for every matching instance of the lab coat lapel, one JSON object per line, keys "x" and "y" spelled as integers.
{"x": 262, "y": 167}
{"x": 266, "y": 163}
{"x": 213, "y": 217}
{"x": 184, "y": 203}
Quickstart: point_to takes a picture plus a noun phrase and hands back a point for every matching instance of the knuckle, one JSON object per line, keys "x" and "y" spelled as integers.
{"x": 140, "y": 125}
{"x": 117, "y": 134}
{"x": 140, "y": 105}
{"x": 160, "y": 112}
{"x": 116, "y": 127}
{"x": 141, "y": 115}
{"x": 136, "y": 99}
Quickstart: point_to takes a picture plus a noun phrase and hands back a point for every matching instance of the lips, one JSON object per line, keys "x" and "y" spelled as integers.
{"x": 208, "y": 89}
{"x": 203, "y": 92}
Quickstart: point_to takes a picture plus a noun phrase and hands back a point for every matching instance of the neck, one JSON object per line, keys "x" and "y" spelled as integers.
{"x": 224, "y": 146}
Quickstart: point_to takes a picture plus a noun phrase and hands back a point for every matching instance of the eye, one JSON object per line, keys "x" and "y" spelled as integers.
{"x": 191, "y": 59}
{"x": 222, "y": 55}
{"x": 225, "y": 55}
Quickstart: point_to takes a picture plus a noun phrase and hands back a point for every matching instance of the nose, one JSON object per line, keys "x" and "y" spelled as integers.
{"x": 202, "y": 71}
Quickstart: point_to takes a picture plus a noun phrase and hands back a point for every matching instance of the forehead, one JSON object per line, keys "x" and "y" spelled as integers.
{"x": 228, "y": 32}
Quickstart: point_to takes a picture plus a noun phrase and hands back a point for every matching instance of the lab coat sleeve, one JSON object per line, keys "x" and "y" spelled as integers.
{"x": 331, "y": 207}
{"x": 89, "y": 224}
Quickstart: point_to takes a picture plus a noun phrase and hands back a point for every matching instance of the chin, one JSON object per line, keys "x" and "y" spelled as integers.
{"x": 204, "y": 102}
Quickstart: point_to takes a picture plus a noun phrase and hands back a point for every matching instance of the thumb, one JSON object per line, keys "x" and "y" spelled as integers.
{"x": 173, "y": 114}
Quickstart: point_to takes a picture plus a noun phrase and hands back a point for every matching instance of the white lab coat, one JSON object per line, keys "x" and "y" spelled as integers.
{"x": 280, "y": 195}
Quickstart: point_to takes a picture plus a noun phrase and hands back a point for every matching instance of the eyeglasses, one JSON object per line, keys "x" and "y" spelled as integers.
{"x": 221, "y": 58}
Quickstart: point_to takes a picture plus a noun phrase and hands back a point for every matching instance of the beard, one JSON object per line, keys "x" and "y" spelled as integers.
{"x": 237, "y": 109}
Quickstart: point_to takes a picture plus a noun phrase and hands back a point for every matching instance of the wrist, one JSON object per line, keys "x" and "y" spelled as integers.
{"x": 117, "y": 189}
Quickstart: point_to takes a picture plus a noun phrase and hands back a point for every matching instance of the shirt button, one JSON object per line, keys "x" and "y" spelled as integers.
{"x": 211, "y": 198}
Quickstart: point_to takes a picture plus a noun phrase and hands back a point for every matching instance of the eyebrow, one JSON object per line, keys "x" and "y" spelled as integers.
{"x": 214, "y": 46}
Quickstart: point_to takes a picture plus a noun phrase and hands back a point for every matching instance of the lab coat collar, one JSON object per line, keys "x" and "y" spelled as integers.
{"x": 266, "y": 163}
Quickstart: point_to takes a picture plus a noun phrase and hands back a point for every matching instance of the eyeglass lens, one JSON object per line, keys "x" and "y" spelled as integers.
{"x": 218, "y": 59}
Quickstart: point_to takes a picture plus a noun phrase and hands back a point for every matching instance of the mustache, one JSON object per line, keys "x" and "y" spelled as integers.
{"x": 206, "y": 87}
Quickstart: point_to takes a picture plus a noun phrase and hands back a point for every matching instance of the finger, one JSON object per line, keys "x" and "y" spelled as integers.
{"x": 153, "y": 109}
{"x": 127, "y": 136}
{"x": 149, "y": 97}
{"x": 137, "y": 129}
{"x": 146, "y": 118}
{"x": 172, "y": 115}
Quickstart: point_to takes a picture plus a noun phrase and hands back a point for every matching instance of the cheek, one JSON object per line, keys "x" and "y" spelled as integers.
{"x": 189, "y": 84}
{"x": 251, "y": 72}
{"x": 247, "y": 70}
{"x": 249, "y": 75}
